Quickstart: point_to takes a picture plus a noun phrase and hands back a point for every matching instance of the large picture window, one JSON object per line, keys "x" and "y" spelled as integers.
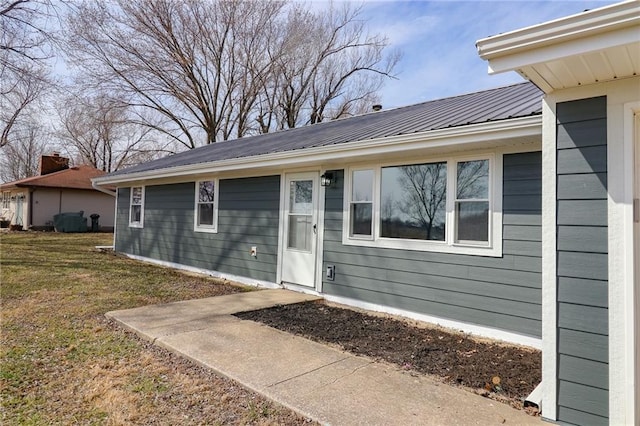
{"x": 413, "y": 201}
{"x": 136, "y": 207}
{"x": 451, "y": 205}
{"x": 206, "y": 207}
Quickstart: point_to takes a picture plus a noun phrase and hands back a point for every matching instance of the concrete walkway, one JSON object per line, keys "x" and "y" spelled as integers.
{"x": 320, "y": 382}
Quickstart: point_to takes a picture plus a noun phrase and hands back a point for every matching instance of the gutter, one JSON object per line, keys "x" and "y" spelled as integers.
{"x": 530, "y": 126}
{"x": 97, "y": 187}
{"x": 591, "y": 23}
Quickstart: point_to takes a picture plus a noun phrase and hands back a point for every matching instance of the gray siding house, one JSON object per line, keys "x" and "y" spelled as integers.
{"x": 507, "y": 213}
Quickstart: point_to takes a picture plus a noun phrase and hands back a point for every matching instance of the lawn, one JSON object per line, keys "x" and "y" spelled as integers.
{"x": 62, "y": 362}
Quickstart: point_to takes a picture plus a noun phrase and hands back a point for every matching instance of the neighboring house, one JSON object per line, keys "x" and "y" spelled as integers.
{"x": 32, "y": 202}
{"x": 507, "y": 212}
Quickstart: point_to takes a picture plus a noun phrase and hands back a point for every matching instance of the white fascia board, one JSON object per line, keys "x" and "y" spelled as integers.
{"x": 622, "y": 18}
{"x": 543, "y": 54}
{"x": 444, "y": 138}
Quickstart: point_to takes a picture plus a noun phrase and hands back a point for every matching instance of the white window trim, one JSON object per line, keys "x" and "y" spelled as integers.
{"x": 492, "y": 249}
{"x": 206, "y": 228}
{"x": 139, "y": 224}
{"x": 374, "y": 202}
{"x": 6, "y": 199}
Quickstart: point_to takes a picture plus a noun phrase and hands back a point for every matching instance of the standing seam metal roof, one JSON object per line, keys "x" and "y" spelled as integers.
{"x": 514, "y": 101}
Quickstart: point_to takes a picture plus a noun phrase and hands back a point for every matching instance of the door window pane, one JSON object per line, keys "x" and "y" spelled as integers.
{"x": 301, "y": 196}
{"x": 413, "y": 201}
{"x": 300, "y": 229}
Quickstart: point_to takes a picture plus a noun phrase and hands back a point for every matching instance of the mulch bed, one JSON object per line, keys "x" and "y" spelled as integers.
{"x": 493, "y": 369}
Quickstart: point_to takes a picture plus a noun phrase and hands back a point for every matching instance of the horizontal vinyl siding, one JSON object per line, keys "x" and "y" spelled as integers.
{"x": 582, "y": 259}
{"x": 503, "y": 293}
{"x": 248, "y": 214}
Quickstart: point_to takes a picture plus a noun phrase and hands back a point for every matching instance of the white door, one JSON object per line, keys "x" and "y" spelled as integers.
{"x": 300, "y": 229}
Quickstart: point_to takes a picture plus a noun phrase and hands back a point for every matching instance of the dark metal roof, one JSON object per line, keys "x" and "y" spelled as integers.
{"x": 514, "y": 101}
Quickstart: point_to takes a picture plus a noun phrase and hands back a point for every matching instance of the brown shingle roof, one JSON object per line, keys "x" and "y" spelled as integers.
{"x": 78, "y": 177}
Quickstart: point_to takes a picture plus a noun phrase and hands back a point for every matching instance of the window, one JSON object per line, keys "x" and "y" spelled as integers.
{"x": 136, "y": 207}
{"x": 413, "y": 201}
{"x": 206, "y": 208}
{"x": 361, "y": 205}
{"x": 472, "y": 201}
{"x": 449, "y": 205}
{"x": 6, "y": 200}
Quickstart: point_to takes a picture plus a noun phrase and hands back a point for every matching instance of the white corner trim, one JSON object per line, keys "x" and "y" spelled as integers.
{"x": 281, "y": 218}
{"x": 320, "y": 236}
{"x": 215, "y": 274}
{"x": 623, "y": 333}
{"x": 549, "y": 262}
{"x": 480, "y": 331}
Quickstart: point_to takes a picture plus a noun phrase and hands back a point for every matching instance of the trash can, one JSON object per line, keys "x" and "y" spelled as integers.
{"x": 95, "y": 227}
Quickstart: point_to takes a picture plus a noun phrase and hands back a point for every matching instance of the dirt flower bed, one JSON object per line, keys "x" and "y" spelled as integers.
{"x": 493, "y": 369}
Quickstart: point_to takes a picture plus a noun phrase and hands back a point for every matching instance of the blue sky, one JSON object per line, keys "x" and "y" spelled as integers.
{"x": 438, "y": 40}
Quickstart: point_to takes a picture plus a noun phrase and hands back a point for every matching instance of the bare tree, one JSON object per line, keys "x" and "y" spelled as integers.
{"x": 21, "y": 158}
{"x": 102, "y": 132}
{"x": 24, "y": 47}
{"x": 217, "y": 70}
{"x": 182, "y": 59}
{"x": 330, "y": 67}
{"x": 17, "y": 95}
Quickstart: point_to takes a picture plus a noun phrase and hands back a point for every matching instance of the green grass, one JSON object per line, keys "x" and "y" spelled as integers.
{"x": 62, "y": 362}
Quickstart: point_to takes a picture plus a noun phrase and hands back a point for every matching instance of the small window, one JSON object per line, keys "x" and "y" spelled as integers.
{"x": 136, "y": 207}
{"x": 361, "y": 208}
{"x": 472, "y": 202}
{"x": 6, "y": 200}
{"x": 206, "y": 208}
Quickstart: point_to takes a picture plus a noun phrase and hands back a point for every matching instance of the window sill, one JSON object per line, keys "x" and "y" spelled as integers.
{"x": 136, "y": 225}
{"x": 208, "y": 230}
{"x": 435, "y": 247}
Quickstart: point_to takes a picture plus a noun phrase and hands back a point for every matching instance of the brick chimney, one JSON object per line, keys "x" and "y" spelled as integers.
{"x": 53, "y": 163}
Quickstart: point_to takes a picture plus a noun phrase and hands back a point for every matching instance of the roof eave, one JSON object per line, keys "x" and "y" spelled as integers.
{"x": 434, "y": 139}
{"x": 599, "y": 29}
{"x": 590, "y": 23}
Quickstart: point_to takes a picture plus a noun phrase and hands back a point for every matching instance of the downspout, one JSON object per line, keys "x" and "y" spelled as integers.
{"x": 30, "y": 206}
